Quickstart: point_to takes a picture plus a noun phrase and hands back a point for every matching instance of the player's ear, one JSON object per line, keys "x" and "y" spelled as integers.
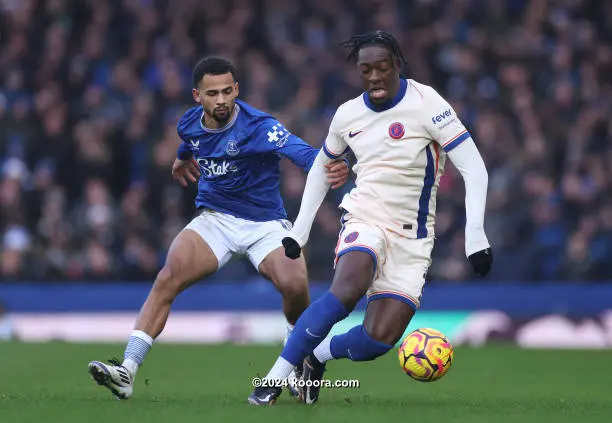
{"x": 196, "y": 95}
{"x": 237, "y": 88}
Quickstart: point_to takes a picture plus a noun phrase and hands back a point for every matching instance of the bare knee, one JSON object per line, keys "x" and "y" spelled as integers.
{"x": 293, "y": 284}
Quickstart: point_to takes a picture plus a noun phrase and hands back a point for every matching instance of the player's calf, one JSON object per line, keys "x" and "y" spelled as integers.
{"x": 189, "y": 259}
{"x": 296, "y": 296}
{"x": 290, "y": 279}
{"x": 385, "y": 322}
{"x": 312, "y": 327}
{"x": 386, "y": 319}
{"x": 355, "y": 345}
{"x": 315, "y": 323}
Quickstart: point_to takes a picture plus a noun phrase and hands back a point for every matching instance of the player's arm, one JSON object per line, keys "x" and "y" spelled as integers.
{"x": 317, "y": 186}
{"x": 185, "y": 166}
{"x": 469, "y": 163}
{"x": 449, "y": 132}
{"x": 304, "y": 155}
{"x": 301, "y": 153}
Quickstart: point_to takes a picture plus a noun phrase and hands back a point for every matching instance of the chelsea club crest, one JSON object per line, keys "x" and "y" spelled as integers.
{"x": 232, "y": 148}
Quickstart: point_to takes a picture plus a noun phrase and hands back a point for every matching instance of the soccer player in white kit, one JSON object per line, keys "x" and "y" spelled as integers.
{"x": 401, "y": 133}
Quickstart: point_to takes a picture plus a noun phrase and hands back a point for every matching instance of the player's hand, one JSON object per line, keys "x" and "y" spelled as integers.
{"x": 186, "y": 170}
{"x": 292, "y": 248}
{"x": 337, "y": 173}
{"x": 481, "y": 261}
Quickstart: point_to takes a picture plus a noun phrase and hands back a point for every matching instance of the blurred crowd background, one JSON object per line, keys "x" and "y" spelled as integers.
{"x": 91, "y": 91}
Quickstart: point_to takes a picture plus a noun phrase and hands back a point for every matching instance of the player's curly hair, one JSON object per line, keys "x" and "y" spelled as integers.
{"x": 212, "y": 65}
{"x": 378, "y": 37}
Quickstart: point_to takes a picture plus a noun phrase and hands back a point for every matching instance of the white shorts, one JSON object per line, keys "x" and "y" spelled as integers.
{"x": 400, "y": 263}
{"x": 228, "y": 235}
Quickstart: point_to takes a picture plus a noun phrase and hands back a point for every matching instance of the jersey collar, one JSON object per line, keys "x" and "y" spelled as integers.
{"x": 224, "y": 128}
{"x": 389, "y": 104}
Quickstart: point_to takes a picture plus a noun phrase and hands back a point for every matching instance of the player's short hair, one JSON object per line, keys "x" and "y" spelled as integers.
{"x": 378, "y": 37}
{"x": 212, "y": 65}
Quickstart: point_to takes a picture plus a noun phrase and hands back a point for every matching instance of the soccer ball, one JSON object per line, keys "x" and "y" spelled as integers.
{"x": 425, "y": 354}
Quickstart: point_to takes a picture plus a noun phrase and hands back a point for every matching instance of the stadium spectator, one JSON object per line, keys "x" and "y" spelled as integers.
{"x": 91, "y": 92}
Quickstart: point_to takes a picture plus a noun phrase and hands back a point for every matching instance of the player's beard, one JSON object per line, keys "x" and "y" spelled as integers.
{"x": 222, "y": 116}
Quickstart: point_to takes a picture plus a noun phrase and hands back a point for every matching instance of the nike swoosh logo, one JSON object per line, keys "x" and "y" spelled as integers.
{"x": 354, "y": 134}
{"x": 312, "y": 334}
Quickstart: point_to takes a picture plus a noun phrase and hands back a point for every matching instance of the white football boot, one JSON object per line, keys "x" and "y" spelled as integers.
{"x": 113, "y": 376}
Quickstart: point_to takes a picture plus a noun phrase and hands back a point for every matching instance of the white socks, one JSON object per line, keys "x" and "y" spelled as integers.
{"x": 323, "y": 351}
{"x": 137, "y": 348}
{"x": 131, "y": 365}
{"x": 281, "y": 370}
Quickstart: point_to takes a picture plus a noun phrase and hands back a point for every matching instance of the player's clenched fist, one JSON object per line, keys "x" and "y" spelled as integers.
{"x": 183, "y": 170}
{"x": 292, "y": 248}
{"x": 481, "y": 261}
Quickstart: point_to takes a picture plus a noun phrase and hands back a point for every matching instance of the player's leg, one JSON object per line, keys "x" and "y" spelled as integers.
{"x": 356, "y": 264}
{"x": 189, "y": 259}
{"x": 385, "y": 321}
{"x": 393, "y": 300}
{"x": 263, "y": 244}
{"x": 354, "y": 268}
{"x": 290, "y": 277}
{"x": 359, "y": 254}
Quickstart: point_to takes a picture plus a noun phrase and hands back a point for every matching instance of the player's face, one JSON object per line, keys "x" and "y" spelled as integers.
{"x": 379, "y": 73}
{"x": 217, "y": 95}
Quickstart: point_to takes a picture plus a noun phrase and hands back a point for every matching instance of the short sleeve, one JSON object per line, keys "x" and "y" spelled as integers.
{"x": 442, "y": 122}
{"x": 187, "y": 148}
{"x": 334, "y": 145}
{"x": 276, "y": 138}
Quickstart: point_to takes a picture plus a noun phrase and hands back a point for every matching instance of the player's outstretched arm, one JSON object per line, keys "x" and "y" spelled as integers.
{"x": 317, "y": 185}
{"x": 469, "y": 163}
{"x": 303, "y": 155}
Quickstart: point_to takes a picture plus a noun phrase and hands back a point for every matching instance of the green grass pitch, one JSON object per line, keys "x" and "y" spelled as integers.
{"x": 187, "y": 383}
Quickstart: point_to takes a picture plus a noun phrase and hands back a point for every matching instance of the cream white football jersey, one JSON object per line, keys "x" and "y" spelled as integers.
{"x": 400, "y": 150}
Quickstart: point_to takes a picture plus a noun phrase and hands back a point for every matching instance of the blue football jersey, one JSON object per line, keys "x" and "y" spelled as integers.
{"x": 239, "y": 163}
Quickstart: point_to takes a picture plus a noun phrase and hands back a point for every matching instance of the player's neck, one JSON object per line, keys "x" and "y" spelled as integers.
{"x": 395, "y": 90}
{"x": 211, "y": 123}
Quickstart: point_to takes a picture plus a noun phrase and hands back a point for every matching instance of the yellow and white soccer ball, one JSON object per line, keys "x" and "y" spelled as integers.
{"x": 425, "y": 354}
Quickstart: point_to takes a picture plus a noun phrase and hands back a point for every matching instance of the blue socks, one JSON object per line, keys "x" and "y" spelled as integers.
{"x": 312, "y": 327}
{"x": 311, "y": 331}
{"x": 357, "y": 345}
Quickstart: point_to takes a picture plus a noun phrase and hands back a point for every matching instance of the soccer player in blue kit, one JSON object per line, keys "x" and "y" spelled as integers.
{"x": 234, "y": 150}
